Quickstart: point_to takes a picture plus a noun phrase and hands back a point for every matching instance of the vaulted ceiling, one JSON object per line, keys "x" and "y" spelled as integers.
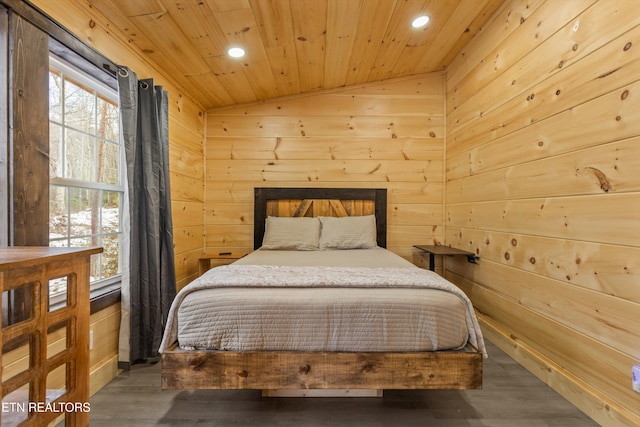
{"x": 294, "y": 46}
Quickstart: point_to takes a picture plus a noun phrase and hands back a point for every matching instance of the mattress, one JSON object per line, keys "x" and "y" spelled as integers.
{"x": 342, "y": 300}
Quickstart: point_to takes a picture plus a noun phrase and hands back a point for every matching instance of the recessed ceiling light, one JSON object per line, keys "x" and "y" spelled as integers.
{"x": 420, "y": 21}
{"x": 236, "y": 52}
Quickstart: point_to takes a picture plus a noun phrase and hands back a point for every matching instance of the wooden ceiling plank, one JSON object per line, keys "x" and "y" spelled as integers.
{"x": 342, "y": 25}
{"x": 309, "y": 27}
{"x": 396, "y": 37}
{"x": 373, "y": 21}
{"x": 474, "y": 27}
{"x": 241, "y": 29}
{"x": 457, "y": 27}
{"x": 209, "y": 94}
{"x": 227, "y": 5}
{"x": 196, "y": 20}
{"x": 421, "y": 40}
{"x": 276, "y": 31}
{"x": 175, "y": 46}
{"x": 284, "y": 69}
{"x": 111, "y": 9}
{"x": 274, "y": 22}
{"x": 132, "y": 8}
{"x": 230, "y": 75}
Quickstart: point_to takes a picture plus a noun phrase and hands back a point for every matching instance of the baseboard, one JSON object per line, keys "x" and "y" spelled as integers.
{"x": 103, "y": 373}
{"x": 593, "y": 403}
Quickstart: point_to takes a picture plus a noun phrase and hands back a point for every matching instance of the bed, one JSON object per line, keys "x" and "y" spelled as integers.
{"x": 321, "y": 304}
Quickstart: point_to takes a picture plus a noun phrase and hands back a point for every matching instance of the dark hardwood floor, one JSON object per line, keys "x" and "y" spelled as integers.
{"x": 511, "y": 397}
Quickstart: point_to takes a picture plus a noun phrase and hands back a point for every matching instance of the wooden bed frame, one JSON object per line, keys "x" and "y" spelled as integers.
{"x": 275, "y": 370}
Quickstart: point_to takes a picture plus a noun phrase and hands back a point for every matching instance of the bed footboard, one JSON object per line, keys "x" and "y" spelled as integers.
{"x": 321, "y": 370}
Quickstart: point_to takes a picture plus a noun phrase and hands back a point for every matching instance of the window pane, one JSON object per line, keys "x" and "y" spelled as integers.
{"x": 58, "y": 215}
{"x": 79, "y": 107}
{"x": 111, "y": 255}
{"x": 55, "y": 96}
{"x": 94, "y": 269}
{"x": 85, "y": 213}
{"x": 108, "y": 157}
{"x": 84, "y": 242}
{"x": 55, "y": 150}
{"x": 79, "y": 156}
{"x": 108, "y": 120}
{"x": 110, "y": 212}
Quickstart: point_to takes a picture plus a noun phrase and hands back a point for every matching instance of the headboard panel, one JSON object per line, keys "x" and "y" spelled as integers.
{"x": 319, "y": 201}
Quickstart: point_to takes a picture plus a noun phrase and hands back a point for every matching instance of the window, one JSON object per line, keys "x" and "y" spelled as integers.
{"x": 86, "y": 169}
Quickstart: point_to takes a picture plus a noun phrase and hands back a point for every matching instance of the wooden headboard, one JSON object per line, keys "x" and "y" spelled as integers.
{"x": 319, "y": 201}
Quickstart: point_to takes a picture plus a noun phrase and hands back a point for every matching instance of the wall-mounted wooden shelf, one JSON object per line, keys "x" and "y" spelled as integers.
{"x": 434, "y": 250}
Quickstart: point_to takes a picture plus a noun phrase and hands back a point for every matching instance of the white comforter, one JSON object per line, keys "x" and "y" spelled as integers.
{"x": 315, "y": 277}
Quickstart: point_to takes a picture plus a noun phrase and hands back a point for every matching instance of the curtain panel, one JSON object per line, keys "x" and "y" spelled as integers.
{"x": 151, "y": 286}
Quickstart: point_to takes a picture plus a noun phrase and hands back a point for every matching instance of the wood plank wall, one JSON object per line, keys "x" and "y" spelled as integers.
{"x": 542, "y": 160}
{"x": 186, "y": 133}
{"x": 385, "y": 135}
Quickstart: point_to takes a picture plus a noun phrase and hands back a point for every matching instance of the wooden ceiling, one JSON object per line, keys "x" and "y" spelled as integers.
{"x": 293, "y": 46}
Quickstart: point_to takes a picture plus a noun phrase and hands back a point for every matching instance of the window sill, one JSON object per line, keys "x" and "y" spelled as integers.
{"x": 99, "y": 299}
{"x": 105, "y": 298}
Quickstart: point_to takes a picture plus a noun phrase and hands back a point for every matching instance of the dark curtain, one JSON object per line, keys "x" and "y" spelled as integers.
{"x": 152, "y": 283}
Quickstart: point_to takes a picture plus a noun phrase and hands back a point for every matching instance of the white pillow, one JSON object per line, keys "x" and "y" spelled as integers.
{"x": 349, "y": 232}
{"x": 283, "y": 233}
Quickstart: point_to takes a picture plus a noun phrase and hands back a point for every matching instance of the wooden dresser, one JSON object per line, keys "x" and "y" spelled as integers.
{"x": 44, "y": 363}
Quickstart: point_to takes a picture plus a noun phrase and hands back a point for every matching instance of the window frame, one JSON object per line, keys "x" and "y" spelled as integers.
{"x": 78, "y": 76}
